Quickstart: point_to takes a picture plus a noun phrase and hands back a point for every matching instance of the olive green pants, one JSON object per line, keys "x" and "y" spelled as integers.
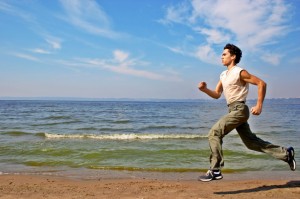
{"x": 237, "y": 119}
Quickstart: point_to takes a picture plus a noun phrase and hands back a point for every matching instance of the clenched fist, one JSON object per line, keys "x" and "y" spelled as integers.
{"x": 202, "y": 86}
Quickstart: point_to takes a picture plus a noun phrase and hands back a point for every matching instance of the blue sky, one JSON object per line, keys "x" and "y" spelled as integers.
{"x": 144, "y": 49}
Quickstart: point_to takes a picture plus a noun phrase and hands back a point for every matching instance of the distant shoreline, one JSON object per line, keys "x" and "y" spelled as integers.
{"x": 122, "y": 99}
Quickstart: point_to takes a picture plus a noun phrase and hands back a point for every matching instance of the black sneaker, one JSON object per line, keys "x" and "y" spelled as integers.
{"x": 211, "y": 175}
{"x": 291, "y": 158}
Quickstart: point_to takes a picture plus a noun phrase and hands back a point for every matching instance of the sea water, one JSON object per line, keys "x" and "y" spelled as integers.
{"x": 166, "y": 136}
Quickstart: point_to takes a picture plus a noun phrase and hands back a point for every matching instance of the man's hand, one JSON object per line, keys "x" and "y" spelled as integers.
{"x": 262, "y": 88}
{"x": 202, "y": 86}
{"x": 256, "y": 110}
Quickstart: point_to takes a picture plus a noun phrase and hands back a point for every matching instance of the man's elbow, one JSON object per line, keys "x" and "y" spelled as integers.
{"x": 218, "y": 95}
{"x": 263, "y": 85}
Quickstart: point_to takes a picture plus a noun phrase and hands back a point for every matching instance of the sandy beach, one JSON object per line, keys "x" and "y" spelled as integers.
{"x": 151, "y": 185}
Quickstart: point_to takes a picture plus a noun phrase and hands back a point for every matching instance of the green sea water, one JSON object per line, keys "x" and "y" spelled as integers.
{"x": 135, "y": 135}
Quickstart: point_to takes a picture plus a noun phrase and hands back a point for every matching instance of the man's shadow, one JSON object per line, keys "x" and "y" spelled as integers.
{"x": 290, "y": 184}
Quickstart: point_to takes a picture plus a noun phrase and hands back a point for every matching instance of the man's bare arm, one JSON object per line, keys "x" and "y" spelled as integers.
{"x": 261, "y": 87}
{"x": 216, "y": 94}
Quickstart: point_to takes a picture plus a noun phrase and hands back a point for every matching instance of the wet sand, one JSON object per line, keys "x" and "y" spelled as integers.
{"x": 151, "y": 185}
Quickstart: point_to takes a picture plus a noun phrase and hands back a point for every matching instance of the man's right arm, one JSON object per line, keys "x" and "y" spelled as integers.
{"x": 216, "y": 94}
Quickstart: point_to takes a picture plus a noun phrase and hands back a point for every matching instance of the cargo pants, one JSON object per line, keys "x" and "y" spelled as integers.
{"x": 237, "y": 119}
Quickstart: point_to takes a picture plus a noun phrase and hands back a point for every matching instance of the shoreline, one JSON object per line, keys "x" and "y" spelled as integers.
{"x": 115, "y": 184}
{"x": 106, "y": 174}
{"x": 116, "y": 174}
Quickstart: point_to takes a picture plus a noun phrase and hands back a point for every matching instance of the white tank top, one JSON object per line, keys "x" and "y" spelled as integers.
{"x": 233, "y": 88}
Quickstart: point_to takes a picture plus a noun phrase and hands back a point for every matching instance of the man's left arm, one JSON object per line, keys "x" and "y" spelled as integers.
{"x": 261, "y": 86}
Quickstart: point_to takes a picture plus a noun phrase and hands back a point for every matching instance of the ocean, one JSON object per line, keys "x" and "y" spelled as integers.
{"x": 162, "y": 135}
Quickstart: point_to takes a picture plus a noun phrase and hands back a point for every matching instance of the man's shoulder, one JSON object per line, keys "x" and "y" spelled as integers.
{"x": 223, "y": 74}
{"x": 238, "y": 68}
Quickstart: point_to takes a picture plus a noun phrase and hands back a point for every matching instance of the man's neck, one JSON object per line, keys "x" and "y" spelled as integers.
{"x": 229, "y": 67}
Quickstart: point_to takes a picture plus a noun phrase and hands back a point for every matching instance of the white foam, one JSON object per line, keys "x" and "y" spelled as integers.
{"x": 131, "y": 136}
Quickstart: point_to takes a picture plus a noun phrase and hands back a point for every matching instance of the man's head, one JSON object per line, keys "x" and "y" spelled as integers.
{"x": 234, "y": 52}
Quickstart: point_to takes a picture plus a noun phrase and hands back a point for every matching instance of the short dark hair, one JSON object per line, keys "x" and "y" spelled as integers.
{"x": 234, "y": 50}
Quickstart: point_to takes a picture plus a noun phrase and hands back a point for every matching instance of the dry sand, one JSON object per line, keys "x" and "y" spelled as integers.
{"x": 152, "y": 185}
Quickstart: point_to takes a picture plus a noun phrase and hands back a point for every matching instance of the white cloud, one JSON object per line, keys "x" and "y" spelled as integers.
{"x": 25, "y": 56}
{"x": 54, "y": 42}
{"x": 250, "y": 24}
{"x": 89, "y": 16}
{"x": 40, "y": 51}
{"x": 177, "y": 50}
{"x": 256, "y": 22}
{"x": 207, "y": 54}
{"x": 120, "y": 56}
{"x": 214, "y": 36}
{"x": 121, "y": 63}
{"x": 175, "y": 14}
{"x": 13, "y": 10}
{"x": 271, "y": 58}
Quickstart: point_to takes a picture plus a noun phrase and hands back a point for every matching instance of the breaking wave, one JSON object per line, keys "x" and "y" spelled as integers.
{"x": 131, "y": 136}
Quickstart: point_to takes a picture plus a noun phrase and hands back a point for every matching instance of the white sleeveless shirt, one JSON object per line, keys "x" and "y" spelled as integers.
{"x": 233, "y": 88}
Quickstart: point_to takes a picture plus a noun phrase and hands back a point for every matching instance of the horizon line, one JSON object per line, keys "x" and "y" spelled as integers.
{"x": 125, "y": 99}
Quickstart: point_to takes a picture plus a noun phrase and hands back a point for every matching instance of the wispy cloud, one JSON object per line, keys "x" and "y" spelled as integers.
{"x": 54, "y": 43}
{"x": 88, "y": 16}
{"x": 207, "y": 54}
{"x": 272, "y": 58}
{"x": 15, "y": 11}
{"x": 122, "y": 63}
{"x": 120, "y": 56}
{"x": 51, "y": 45}
{"x": 25, "y": 56}
{"x": 176, "y": 13}
{"x": 40, "y": 51}
{"x": 250, "y": 24}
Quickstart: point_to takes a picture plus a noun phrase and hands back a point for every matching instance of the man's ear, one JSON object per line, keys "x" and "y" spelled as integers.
{"x": 233, "y": 57}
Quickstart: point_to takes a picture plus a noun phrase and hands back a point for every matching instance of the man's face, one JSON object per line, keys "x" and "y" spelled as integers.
{"x": 227, "y": 58}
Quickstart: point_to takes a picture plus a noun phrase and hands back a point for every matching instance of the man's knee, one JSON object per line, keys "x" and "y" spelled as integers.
{"x": 216, "y": 131}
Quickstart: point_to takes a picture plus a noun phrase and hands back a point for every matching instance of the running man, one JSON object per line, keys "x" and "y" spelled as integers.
{"x": 234, "y": 82}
